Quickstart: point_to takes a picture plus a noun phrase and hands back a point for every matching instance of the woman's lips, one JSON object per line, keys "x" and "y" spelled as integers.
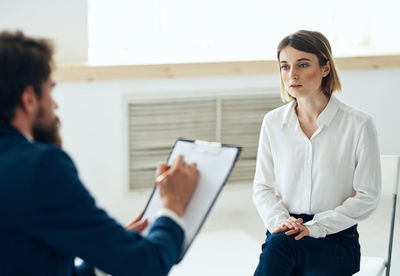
{"x": 295, "y": 86}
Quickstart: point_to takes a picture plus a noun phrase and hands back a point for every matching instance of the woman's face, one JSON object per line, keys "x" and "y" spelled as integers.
{"x": 301, "y": 73}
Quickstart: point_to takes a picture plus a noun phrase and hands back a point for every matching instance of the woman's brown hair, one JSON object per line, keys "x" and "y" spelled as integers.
{"x": 315, "y": 43}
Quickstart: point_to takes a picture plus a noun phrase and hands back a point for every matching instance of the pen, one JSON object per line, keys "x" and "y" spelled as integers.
{"x": 162, "y": 176}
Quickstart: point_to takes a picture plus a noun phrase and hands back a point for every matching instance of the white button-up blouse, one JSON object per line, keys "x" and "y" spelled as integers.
{"x": 335, "y": 175}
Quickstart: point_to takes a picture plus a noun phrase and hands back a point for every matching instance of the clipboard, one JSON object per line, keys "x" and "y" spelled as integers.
{"x": 215, "y": 163}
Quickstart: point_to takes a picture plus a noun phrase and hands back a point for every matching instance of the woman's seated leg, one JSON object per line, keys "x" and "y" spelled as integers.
{"x": 283, "y": 255}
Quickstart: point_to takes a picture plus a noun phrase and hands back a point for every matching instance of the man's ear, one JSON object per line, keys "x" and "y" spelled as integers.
{"x": 29, "y": 100}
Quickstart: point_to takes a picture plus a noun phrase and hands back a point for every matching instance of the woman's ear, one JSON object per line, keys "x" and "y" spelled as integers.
{"x": 326, "y": 69}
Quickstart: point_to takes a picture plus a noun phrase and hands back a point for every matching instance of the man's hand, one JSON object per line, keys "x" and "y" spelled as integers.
{"x": 137, "y": 225}
{"x": 177, "y": 188}
{"x": 293, "y": 226}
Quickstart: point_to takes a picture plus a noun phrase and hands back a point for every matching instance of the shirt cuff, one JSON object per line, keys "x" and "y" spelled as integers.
{"x": 315, "y": 230}
{"x": 165, "y": 212}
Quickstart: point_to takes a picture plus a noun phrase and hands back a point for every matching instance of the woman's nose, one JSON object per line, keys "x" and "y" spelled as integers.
{"x": 293, "y": 74}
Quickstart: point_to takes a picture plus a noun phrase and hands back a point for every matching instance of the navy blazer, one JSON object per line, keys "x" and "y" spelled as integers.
{"x": 47, "y": 217}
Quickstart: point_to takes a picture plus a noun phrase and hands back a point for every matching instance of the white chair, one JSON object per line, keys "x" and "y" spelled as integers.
{"x": 375, "y": 266}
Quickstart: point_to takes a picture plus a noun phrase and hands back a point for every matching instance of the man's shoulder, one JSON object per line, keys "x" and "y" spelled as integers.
{"x": 23, "y": 160}
{"x": 37, "y": 153}
{"x": 19, "y": 150}
{"x": 25, "y": 171}
{"x": 50, "y": 152}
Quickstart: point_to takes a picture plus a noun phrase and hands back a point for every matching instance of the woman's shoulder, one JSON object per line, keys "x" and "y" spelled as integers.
{"x": 354, "y": 113}
{"x": 279, "y": 113}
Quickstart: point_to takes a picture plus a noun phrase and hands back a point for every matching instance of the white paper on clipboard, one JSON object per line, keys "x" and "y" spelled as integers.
{"x": 215, "y": 163}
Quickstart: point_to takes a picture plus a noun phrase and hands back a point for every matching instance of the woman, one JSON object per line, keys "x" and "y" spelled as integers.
{"x": 318, "y": 169}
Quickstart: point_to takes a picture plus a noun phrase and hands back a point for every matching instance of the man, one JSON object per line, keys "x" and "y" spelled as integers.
{"x": 47, "y": 216}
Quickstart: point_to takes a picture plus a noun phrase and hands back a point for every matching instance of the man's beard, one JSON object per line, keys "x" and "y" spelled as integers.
{"x": 49, "y": 135}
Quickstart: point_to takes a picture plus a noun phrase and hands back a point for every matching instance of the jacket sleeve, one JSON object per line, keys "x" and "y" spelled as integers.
{"x": 64, "y": 216}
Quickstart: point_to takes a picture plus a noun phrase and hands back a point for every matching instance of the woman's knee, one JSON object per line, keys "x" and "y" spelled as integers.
{"x": 279, "y": 242}
{"x": 280, "y": 239}
{"x": 277, "y": 257}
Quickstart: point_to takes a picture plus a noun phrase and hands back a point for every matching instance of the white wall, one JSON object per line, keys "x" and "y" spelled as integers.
{"x": 63, "y": 21}
{"x": 376, "y": 92}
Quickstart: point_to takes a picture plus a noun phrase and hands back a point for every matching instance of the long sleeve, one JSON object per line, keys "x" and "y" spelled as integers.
{"x": 64, "y": 216}
{"x": 266, "y": 199}
{"x": 366, "y": 184}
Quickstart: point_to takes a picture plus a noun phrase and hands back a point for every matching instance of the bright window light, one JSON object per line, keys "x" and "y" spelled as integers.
{"x": 185, "y": 31}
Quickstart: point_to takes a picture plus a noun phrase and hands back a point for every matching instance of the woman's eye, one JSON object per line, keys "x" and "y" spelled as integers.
{"x": 284, "y": 67}
{"x": 303, "y": 64}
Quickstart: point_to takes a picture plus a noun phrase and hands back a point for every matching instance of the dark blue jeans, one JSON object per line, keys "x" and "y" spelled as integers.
{"x": 335, "y": 255}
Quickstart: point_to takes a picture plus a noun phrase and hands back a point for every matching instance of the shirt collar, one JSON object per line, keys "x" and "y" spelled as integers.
{"x": 27, "y": 136}
{"x": 329, "y": 112}
{"x": 289, "y": 114}
{"x": 326, "y": 116}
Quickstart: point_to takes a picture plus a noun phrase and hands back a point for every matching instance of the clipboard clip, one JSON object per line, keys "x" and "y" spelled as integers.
{"x": 208, "y": 147}
{"x": 206, "y": 143}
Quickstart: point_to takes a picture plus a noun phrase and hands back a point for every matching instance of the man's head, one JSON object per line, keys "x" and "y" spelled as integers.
{"x": 25, "y": 83}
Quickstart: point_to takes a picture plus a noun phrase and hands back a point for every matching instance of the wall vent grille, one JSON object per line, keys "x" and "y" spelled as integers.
{"x": 155, "y": 124}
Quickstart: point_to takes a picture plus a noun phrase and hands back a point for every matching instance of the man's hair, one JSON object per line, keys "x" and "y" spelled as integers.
{"x": 24, "y": 61}
{"x": 317, "y": 44}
